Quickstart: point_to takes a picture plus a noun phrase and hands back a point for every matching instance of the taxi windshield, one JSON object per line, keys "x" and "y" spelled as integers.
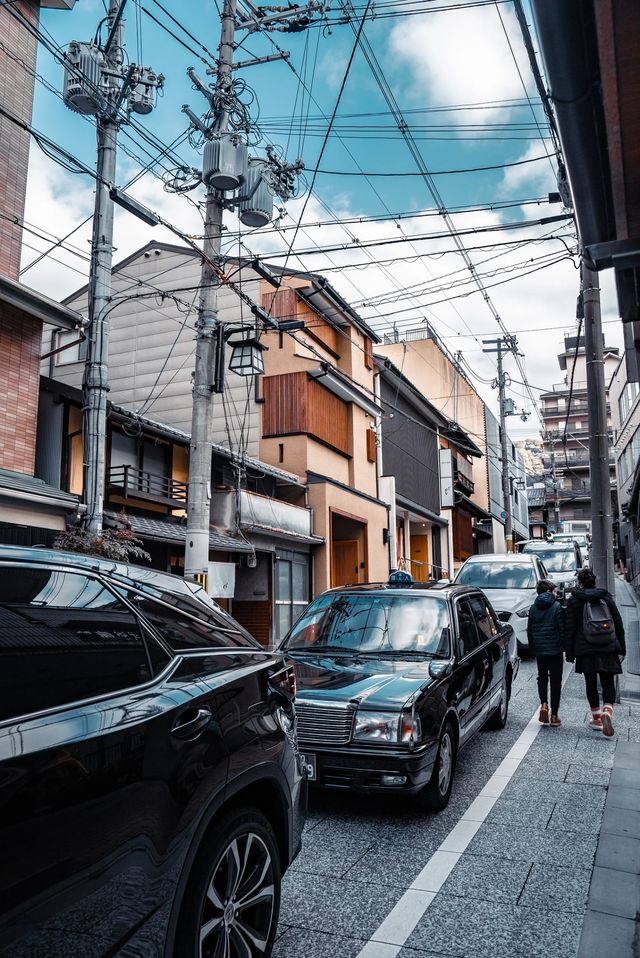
{"x": 384, "y": 622}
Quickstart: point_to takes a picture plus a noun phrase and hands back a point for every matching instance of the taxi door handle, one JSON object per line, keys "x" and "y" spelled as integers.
{"x": 191, "y": 723}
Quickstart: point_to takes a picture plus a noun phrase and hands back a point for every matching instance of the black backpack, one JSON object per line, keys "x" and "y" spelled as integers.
{"x": 597, "y": 624}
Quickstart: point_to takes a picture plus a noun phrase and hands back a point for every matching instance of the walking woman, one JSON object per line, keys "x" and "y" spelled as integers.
{"x": 595, "y": 639}
{"x": 545, "y": 629}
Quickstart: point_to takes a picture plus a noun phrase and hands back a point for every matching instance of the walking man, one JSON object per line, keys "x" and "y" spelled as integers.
{"x": 545, "y": 631}
{"x": 595, "y": 639}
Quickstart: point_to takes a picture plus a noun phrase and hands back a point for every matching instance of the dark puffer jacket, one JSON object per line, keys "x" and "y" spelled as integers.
{"x": 545, "y": 628}
{"x": 575, "y": 642}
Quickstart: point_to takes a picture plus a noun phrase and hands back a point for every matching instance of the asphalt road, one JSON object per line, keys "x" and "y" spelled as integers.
{"x": 520, "y": 884}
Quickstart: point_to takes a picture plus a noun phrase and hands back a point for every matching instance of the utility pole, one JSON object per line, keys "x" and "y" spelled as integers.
{"x": 601, "y": 510}
{"x": 96, "y": 83}
{"x": 95, "y": 382}
{"x": 500, "y": 346}
{"x": 233, "y": 181}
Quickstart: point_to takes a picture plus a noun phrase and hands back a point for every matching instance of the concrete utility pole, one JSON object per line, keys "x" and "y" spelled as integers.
{"x": 601, "y": 510}
{"x": 500, "y": 346}
{"x": 196, "y": 555}
{"x": 96, "y": 83}
{"x": 95, "y": 383}
{"x": 273, "y": 175}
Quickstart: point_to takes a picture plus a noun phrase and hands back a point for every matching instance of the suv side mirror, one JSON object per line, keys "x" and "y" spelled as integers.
{"x": 440, "y": 668}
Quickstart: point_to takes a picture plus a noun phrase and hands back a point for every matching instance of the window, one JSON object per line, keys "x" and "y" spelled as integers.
{"x": 198, "y": 627}
{"x": 467, "y": 632}
{"x": 485, "y": 623}
{"x": 292, "y": 591}
{"x": 65, "y": 637}
{"x": 72, "y": 353}
{"x": 368, "y": 353}
{"x": 627, "y": 399}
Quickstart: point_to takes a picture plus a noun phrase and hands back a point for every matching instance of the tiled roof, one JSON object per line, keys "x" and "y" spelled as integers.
{"x": 35, "y": 489}
{"x": 176, "y": 532}
{"x": 536, "y": 497}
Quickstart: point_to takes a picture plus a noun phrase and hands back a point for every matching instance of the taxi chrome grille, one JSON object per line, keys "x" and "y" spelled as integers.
{"x": 324, "y": 724}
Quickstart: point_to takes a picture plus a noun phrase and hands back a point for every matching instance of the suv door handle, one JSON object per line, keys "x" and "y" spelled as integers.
{"x": 191, "y": 723}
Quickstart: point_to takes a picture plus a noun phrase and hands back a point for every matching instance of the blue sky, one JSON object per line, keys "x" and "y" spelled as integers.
{"x": 446, "y": 57}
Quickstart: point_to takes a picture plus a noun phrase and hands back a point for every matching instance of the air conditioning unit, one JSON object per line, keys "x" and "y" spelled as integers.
{"x": 83, "y": 83}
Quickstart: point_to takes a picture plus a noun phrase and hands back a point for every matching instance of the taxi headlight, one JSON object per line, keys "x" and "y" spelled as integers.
{"x": 386, "y": 727}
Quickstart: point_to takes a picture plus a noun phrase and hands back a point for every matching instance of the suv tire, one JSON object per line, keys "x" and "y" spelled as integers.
{"x": 233, "y": 891}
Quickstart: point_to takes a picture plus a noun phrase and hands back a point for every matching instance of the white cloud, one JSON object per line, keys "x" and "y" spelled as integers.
{"x": 462, "y": 56}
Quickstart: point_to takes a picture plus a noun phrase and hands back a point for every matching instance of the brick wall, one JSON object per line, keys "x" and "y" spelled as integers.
{"x": 20, "y": 340}
{"x": 17, "y": 49}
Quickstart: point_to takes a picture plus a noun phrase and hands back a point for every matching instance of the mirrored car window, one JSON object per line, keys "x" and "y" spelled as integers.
{"x": 383, "y": 622}
{"x": 64, "y": 637}
{"x": 468, "y": 639}
{"x": 183, "y": 632}
{"x": 485, "y": 623}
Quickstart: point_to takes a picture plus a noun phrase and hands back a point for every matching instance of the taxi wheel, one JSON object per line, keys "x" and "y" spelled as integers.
{"x": 438, "y": 791}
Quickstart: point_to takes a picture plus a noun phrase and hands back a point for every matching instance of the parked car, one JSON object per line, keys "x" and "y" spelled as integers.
{"x": 510, "y": 581}
{"x": 393, "y": 681}
{"x": 562, "y": 560}
{"x": 581, "y": 539}
{"x": 151, "y": 789}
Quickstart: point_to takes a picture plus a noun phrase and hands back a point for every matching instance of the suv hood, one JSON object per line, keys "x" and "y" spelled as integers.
{"x": 380, "y": 682}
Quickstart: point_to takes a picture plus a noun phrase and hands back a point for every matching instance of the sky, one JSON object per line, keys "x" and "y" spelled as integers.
{"x": 460, "y": 76}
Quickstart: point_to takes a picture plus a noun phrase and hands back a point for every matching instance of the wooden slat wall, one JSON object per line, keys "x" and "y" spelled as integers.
{"x": 255, "y": 616}
{"x": 285, "y": 404}
{"x": 295, "y": 404}
{"x": 281, "y": 304}
{"x": 316, "y": 326}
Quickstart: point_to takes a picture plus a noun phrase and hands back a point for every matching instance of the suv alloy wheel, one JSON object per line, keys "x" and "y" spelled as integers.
{"x": 232, "y": 899}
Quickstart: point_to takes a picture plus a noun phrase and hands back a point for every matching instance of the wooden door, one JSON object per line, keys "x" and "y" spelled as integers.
{"x": 344, "y": 562}
{"x": 419, "y": 558}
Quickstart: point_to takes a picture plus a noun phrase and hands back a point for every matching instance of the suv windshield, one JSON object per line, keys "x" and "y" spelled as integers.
{"x": 497, "y": 575}
{"x": 384, "y": 622}
{"x": 555, "y": 558}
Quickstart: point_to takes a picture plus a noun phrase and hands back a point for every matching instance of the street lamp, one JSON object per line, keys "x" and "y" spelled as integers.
{"x": 246, "y": 357}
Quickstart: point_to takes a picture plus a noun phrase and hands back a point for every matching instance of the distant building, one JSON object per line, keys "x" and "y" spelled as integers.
{"x": 565, "y": 439}
{"x": 625, "y": 418}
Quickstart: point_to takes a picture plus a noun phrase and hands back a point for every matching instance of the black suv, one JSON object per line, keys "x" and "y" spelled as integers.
{"x": 151, "y": 791}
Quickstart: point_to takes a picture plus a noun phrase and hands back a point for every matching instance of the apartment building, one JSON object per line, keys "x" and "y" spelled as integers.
{"x": 566, "y": 439}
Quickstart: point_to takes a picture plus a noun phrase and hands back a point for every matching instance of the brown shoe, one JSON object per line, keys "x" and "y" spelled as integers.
{"x": 555, "y": 721}
{"x": 543, "y": 718}
{"x": 607, "y": 723}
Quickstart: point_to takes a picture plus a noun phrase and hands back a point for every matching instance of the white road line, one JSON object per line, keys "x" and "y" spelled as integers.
{"x": 391, "y": 935}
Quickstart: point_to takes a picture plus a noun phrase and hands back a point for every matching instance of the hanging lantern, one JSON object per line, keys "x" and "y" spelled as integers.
{"x": 246, "y": 358}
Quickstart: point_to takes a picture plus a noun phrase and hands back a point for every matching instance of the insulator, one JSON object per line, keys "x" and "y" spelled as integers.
{"x": 83, "y": 84}
{"x": 224, "y": 164}
{"x": 257, "y": 210}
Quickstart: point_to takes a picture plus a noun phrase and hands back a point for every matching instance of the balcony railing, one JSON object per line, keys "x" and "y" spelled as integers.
{"x": 463, "y": 475}
{"x": 132, "y": 483}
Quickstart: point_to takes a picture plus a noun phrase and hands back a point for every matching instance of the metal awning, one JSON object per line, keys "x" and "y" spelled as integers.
{"x": 283, "y": 534}
{"x": 464, "y": 502}
{"x": 340, "y": 386}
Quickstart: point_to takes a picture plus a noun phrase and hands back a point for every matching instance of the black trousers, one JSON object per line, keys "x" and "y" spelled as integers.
{"x": 608, "y": 683}
{"x": 550, "y": 673}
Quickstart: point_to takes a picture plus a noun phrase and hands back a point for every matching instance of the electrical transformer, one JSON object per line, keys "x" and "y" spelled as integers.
{"x": 83, "y": 84}
{"x": 141, "y": 97}
{"x": 224, "y": 164}
{"x": 257, "y": 209}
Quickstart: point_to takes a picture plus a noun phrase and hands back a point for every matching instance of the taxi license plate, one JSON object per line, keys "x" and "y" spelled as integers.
{"x": 309, "y": 765}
